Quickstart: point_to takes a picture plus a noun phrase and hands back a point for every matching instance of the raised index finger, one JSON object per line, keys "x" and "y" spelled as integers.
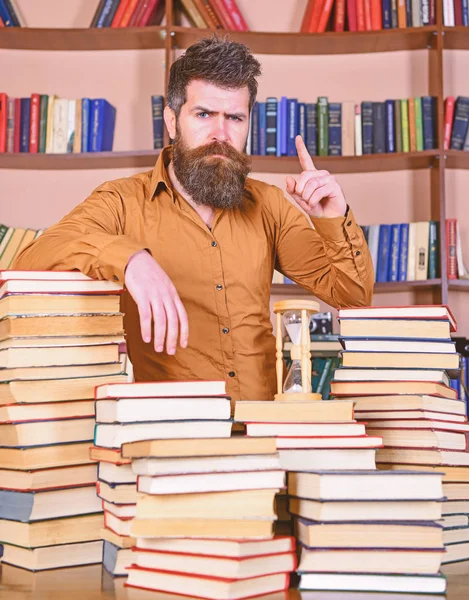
{"x": 304, "y": 157}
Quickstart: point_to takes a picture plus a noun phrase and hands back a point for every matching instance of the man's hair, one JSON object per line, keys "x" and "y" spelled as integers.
{"x": 218, "y": 61}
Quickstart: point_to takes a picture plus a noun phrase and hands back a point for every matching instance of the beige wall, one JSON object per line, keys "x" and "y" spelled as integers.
{"x": 128, "y": 78}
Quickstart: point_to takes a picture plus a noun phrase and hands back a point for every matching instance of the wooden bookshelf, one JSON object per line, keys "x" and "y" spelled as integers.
{"x": 293, "y": 290}
{"x": 456, "y": 38}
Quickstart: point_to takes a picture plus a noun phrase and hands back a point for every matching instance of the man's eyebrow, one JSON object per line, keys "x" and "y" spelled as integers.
{"x": 240, "y": 115}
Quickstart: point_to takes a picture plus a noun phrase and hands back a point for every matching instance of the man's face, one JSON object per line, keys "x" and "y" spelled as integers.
{"x": 209, "y": 144}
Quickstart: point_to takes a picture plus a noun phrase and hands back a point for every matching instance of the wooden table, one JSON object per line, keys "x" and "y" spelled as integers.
{"x": 93, "y": 583}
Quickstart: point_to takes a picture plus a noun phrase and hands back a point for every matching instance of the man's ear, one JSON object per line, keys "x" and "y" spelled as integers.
{"x": 170, "y": 121}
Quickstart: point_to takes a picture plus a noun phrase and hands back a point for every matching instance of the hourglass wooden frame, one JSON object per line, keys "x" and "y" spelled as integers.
{"x": 299, "y": 352}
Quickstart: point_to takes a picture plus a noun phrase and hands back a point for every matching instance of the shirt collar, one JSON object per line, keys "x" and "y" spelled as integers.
{"x": 160, "y": 177}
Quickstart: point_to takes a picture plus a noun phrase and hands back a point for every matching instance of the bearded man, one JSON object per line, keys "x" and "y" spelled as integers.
{"x": 195, "y": 240}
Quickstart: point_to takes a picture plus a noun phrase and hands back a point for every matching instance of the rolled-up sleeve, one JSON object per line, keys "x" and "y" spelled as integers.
{"x": 331, "y": 259}
{"x": 90, "y": 239}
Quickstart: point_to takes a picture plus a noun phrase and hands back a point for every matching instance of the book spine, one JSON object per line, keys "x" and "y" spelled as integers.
{"x": 393, "y": 269}
{"x": 107, "y": 13}
{"x": 348, "y": 129}
{"x": 311, "y": 129}
{"x": 157, "y": 120}
{"x": 25, "y": 117}
{"x": 116, "y": 19}
{"x": 3, "y": 121}
{"x": 193, "y": 14}
{"x": 236, "y": 16}
{"x": 302, "y": 120}
{"x": 405, "y": 125}
{"x": 412, "y": 134}
{"x": 223, "y": 15}
{"x": 278, "y": 140}
{"x": 98, "y": 12}
{"x": 10, "y": 141}
{"x": 148, "y": 13}
{"x": 401, "y": 14}
{"x": 271, "y": 126}
{"x": 34, "y": 123}
{"x": 292, "y": 126}
{"x": 387, "y": 17}
{"x": 96, "y": 126}
{"x": 307, "y": 16}
{"x": 390, "y": 136}
{"x": 367, "y": 127}
{"x": 11, "y": 9}
{"x": 394, "y": 10}
{"x": 5, "y": 15}
{"x": 324, "y": 16}
{"x": 418, "y": 124}
{"x": 403, "y": 251}
{"x": 398, "y": 125}
{"x": 141, "y": 5}
{"x": 465, "y": 12}
{"x": 383, "y": 253}
{"x": 335, "y": 129}
{"x": 262, "y": 129}
{"x": 43, "y": 122}
{"x": 451, "y": 261}
{"x": 207, "y": 14}
{"x": 352, "y": 15}
{"x": 77, "y": 130}
{"x": 421, "y": 260}
{"x": 284, "y": 119}
{"x": 358, "y": 130}
{"x": 376, "y": 15}
{"x": 367, "y": 6}
{"x": 50, "y": 125}
{"x": 460, "y": 123}
{"x": 323, "y": 112}
{"x": 17, "y": 132}
{"x": 360, "y": 4}
{"x": 449, "y": 112}
{"x": 339, "y": 16}
{"x": 255, "y": 129}
{"x": 85, "y": 124}
{"x": 411, "y": 252}
{"x": 379, "y": 128}
{"x": 427, "y": 123}
{"x": 433, "y": 250}
{"x": 425, "y": 12}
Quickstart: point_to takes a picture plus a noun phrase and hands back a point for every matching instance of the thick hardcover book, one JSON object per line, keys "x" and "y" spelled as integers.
{"x": 262, "y": 128}
{"x": 44, "y": 102}
{"x": 102, "y": 123}
{"x": 379, "y": 127}
{"x": 292, "y": 126}
{"x": 24, "y": 124}
{"x": 311, "y": 129}
{"x": 398, "y": 125}
{"x": 322, "y": 124}
{"x": 394, "y": 253}
{"x": 383, "y": 253}
{"x": 418, "y": 124}
{"x": 367, "y": 127}
{"x": 389, "y": 119}
{"x": 157, "y": 119}
{"x": 335, "y": 129}
{"x": 403, "y": 252}
{"x": 460, "y": 123}
{"x": 271, "y": 126}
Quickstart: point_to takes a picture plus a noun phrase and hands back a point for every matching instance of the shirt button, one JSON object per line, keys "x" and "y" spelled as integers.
{"x": 214, "y": 243}
{"x": 357, "y": 253}
{"x": 219, "y": 287}
{"x": 231, "y": 373}
{"x": 225, "y": 330}
{"x": 115, "y": 278}
{"x": 349, "y": 223}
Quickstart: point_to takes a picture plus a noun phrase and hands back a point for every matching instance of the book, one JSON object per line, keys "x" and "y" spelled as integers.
{"x": 377, "y": 582}
{"x": 102, "y": 124}
{"x": 368, "y": 485}
{"x": 307, "y": 459}
{"x": 69, "y": 530}
{"x": 38, "y": 286}
{"x": 449, "y": 473}
{"x": 121, "y": 541}
{"x": 43, "y": 479}
{"x": 206, "y": 587}
{"x": 395, "y": 328}
{"x": 42, "y": 433}
{"x": 192, "y": 448}
{"x": 110, "y": 455}
{"x": 393, "y": 375}
{"x": 162, "y": 389}
{"x": 203, "y": 528}
{"x": 44, "y": 457}
{"x": 421, "y": 438}
{"x": 115, "y": 559}
{"x": 234, "y": 504}
{"x": 114, "y": 435}
{"x": 211, "y": 482}
{"x": 364, "y": 344}
{"x": 400, "y": 312}
{"x": 48, "y": 504}
{"x": 232, "y": 568}
{"x": 46, "y": 411}
{"x": 53, "y": 556}
{"x": 350, "y": 511}
{"x": 17, "y": 325}
{"x": 59, "y": 372}
{"x": 117, "y": 493}
{"x": 401, "y": 360}
{"x": 370, "y": 534}
{"x": 374, "y": 388}
{"x": 112, "y": 473}
{"x": 133, "y": 410}
{"x": 409, "y": 402}
{"x": 407, "y": 415}
{"x": 305, "y": 430}
{"x": 356, "y": 442}
{"x": 56, "y": 355}
{"x": 427, "y": 456}
{"x": 293, "y": 411}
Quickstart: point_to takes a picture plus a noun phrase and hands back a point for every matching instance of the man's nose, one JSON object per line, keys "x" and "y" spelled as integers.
{"x": 220, "y": 132}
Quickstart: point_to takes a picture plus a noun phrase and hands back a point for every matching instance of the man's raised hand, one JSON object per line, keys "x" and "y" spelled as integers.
{"x": 157, "y": 301}
{"x": 317, "y": 192}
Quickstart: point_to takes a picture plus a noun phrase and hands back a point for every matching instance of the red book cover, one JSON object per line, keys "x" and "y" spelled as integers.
{"x": 360, "y": 15}
{"x": 451, "y": 256}
{"x": 237, "y": 17}
{"x": 147, "y": 12}
{"x": 2, "y": 24}
{"x": 352, "y": 15}
{"x": 17, "y": 130}
{"x": 136, "y": 14}
{"x": 339, "y": 16}
{"x": 223, "y": 14}
{"x": 324, "y": 16}
{"x": 34, "y": 124}
{"x": 449, "y": 113}
{"x": 367, "y": 7}
{"x": 458, "y": 12}
{"x": 316, "y": 15}
{"x": 119, "y": 13}
{"x": 376, "y": 15}
{"x": 432, "y": 12}
{"x": 307, "y": 16}
{"x": 3, "y": 121}
{"x": 129, "y": 11}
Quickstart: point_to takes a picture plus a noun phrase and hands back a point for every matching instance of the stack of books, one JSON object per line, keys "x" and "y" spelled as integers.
{"x": 132, "y": 412}
{"x": 396, "y": 368}
{"x": 205, "y": 517}
{"x": 59, "y": 338}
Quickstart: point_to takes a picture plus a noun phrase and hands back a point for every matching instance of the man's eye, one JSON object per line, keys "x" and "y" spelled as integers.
{"x": 235, "y": 118}
{"x": 202, "y": 114}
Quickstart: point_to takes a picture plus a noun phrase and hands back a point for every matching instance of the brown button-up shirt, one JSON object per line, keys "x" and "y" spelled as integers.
{"x": 222, "y": 275}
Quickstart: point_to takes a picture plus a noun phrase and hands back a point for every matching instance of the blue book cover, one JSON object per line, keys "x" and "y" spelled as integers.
{"x": 335, "y": 129}
{"x": 24, "y": 124}
{"x": 386, "y": 7}
{"x": 262, "y": 128}
{"x": 284, "y": 118}
{"x": 408, "y": 10}
{"x": 465, "y": 12}
{"x": 271, "y": 126}
{"x": 384, "y": 247}
{"x": 302, "y": 120}
{"x": 404, "y": 252}
{"x": 5, "y": 15}
{"x": 379, "y": 127}
{"x": 460, "y": 123}
{"x": 107, "y": 13}
{"x": 311, "y": 129}
{"x": 390, "y": 134}
{"x": 292, "y": 126}
{"x": 393, "y": 268}
{"x": 102, "y": 124}
{"x": 85, "y": 124}
{"x": 428, "y": 123}
{"x": 255, "y": 129}
{"x": 367, "y": 127}
{"x": 279, "y": 129}
{"x": 157, "y": 120}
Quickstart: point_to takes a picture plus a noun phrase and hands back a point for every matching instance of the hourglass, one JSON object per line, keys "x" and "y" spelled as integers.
{"x": 296, "y": 316}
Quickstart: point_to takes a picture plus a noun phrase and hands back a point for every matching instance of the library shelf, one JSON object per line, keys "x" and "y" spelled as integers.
{"x": 455, "y": 38}
{"x": 288, "y": 289}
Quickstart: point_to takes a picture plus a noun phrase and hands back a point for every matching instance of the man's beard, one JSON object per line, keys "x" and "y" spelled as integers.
{"x": 211, "y": 180}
